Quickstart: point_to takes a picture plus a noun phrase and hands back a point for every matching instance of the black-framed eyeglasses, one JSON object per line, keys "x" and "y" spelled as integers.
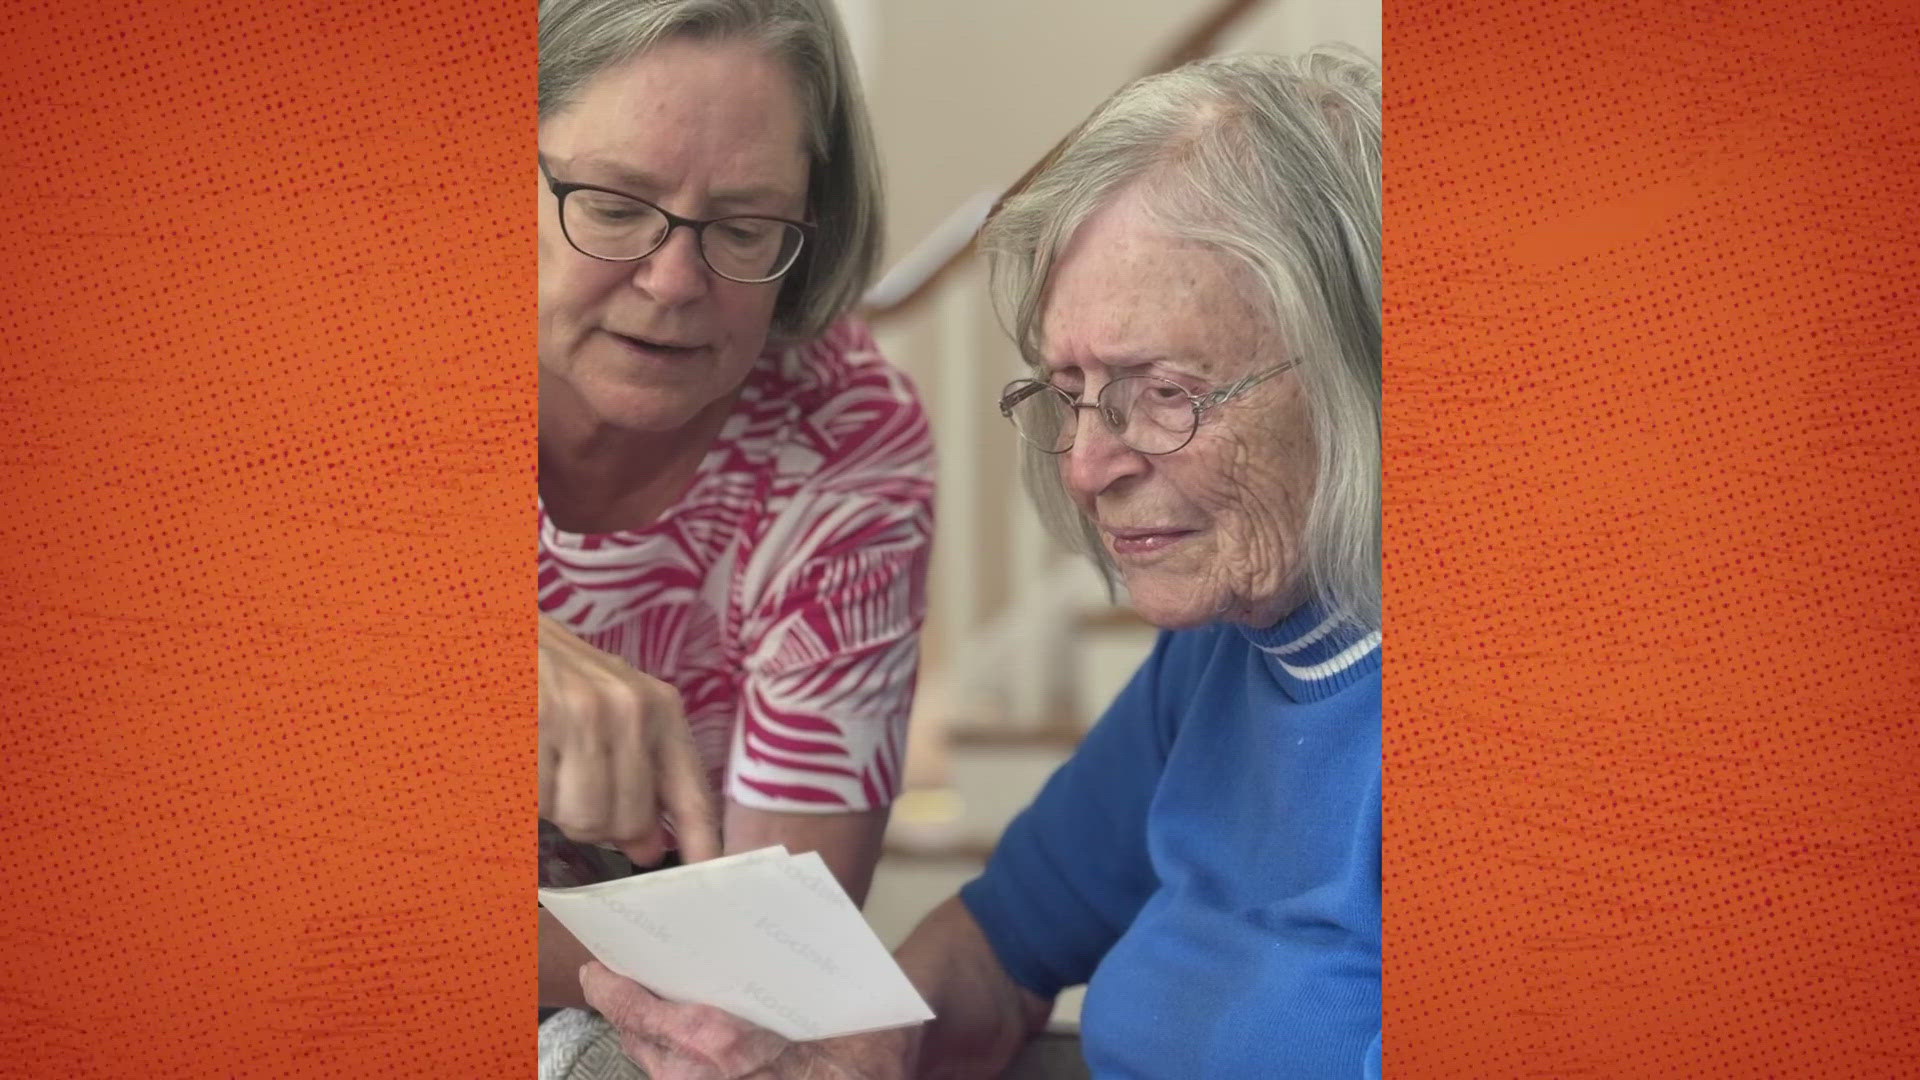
{"x": 614, "y": 226}
{"x": 1149, "y": 414}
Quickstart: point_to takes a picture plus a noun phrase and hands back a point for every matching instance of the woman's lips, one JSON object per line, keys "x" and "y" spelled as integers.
{"x": 657, "y": 350}
{"x": 1146, "y": 541}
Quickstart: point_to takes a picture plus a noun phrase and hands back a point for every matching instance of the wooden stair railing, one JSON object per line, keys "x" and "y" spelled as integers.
{"x": 896, "y": 298}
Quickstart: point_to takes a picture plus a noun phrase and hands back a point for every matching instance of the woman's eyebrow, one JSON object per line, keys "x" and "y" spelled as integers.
{"x": 610, "y": 172}
{"x": 1169, "y": 362}
{"x": 617, "y": 175}
{"x": 753, "y": 196}
{"x": 1131, "y": 363}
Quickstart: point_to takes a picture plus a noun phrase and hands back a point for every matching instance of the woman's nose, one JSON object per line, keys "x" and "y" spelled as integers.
{"x": 1098, "y": 458}
{"x": 675, "y": 272}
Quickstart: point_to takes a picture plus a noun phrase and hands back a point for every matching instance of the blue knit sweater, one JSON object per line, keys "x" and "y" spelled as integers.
{"x": 1209, "y": 862}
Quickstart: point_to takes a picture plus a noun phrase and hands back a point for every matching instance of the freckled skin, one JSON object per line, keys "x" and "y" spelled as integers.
{"x": 702, "y": 118}
{"x": 1123, "y": 290}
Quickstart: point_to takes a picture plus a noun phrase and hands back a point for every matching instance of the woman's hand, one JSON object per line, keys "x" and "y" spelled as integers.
{"x": 672, "y": 1041}
{"x": 615, "y": 752}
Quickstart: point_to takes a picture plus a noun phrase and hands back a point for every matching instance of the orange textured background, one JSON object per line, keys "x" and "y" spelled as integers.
{"x": 267, "y": 480}
{"x": 1654, "y": 579}
{"x": 1653, "y": 534}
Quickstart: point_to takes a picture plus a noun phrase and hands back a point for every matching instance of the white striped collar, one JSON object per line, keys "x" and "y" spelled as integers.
{"x": 1313, "y": 655}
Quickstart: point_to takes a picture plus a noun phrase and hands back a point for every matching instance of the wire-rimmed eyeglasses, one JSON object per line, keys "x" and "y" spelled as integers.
{"x": 614, "y": 226}
{"x": 1149, "y": 414}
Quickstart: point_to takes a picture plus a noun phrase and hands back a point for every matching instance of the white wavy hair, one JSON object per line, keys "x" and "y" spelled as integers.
{"x": 1276, "y": 162}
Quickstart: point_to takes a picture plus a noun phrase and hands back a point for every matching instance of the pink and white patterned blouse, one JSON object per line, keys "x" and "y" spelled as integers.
{"x": 783, "y": 595}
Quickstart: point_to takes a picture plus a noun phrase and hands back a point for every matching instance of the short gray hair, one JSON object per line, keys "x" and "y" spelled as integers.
{"x": 1276, "y": 162}
{"x": 580, "y": 38}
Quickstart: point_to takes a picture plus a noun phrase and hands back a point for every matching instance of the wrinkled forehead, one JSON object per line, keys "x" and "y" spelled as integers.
{"x": 1125, "y": 289}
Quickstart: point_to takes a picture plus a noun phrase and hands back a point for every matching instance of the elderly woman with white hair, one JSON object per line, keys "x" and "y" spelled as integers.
{"x": 735, "y": 487}
{"x": 1195, "y": 282}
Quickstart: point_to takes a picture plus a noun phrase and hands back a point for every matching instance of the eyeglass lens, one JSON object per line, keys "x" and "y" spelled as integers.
{"x": 1150, "y": 415}
{"x": 610, "y": 226}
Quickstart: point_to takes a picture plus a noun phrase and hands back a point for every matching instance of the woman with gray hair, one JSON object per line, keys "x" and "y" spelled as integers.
{"x": 1195, "y": 281}
{"x": 735, "y": 487}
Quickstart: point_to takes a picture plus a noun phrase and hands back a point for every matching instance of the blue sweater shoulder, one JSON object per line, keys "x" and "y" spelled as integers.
{"x": 1209, "y": 858}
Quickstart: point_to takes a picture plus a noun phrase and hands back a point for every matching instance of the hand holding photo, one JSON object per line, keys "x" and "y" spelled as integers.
{"x": 767, "y": 936}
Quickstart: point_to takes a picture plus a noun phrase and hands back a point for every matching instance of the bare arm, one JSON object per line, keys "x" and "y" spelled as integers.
{"x": 981, "y": 1016}
{"x": 561, "y": 955}
{"x": 848, "y": 843}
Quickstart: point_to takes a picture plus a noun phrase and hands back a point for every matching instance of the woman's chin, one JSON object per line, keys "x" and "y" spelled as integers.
{"x": 1169, "y": 608}
{"x": 1175, "y": 603}
{"x": 647, "y": 410}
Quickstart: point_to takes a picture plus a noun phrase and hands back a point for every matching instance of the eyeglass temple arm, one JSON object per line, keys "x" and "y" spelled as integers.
{"x": 1023, "y": 390}
{"x": 1228, "y": 393}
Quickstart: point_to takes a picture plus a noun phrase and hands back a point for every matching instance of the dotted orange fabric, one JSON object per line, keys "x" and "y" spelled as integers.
{"x": 267, "y": 480}
{"x": 1652, "y": 497}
